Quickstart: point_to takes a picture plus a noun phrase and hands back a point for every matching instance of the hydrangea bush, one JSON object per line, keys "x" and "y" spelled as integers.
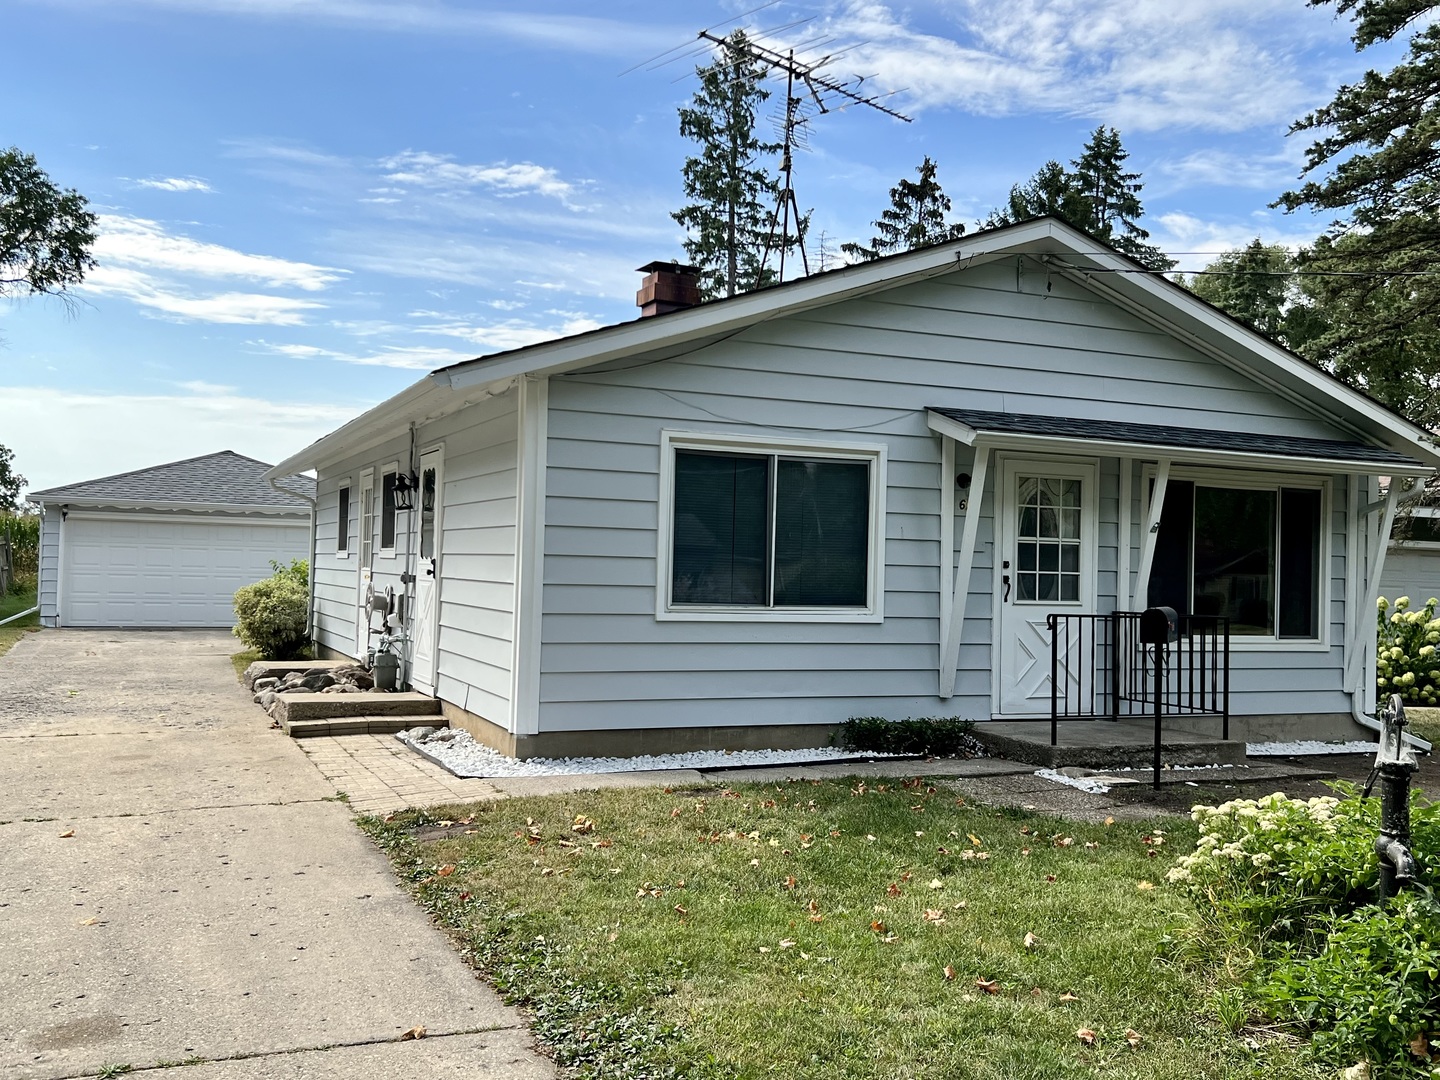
{"x": 1405, "y": 659}
{"x": 1289, "y": 884}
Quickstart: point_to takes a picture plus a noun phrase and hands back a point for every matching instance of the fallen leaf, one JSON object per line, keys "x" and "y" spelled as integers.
{"x": 1144, "y": 886}
{"x": 1024, "y": 851}
{"x": 892, "y": 889}
{"x": 975, "y": 840}
{"x": 1064, "y": 841}
{"x": 960, "y": 906}
{"x": 582, "y": 824}
{"x": 1359, "y": 1071}
{"x": 1025, "y": 830}
{"x": 936, "y": 883}
{"x": 764, "y": 948}
{"x": 1133, "y": 1037}
{"x": 1091, "y": 845}
{"x": 681, "y": 911}
{"x": 1031, "y": 941}
{"x": 1067, "y": 997}
{"x": 417, "y": 1032}
{"x": 1420, "y": 1046}
{"x": 93, "y": 920}
{"x": 942, "y": 851}
{"x": 612, "y": 937}
{"x": 906, "y": 876}
{"x": 1049, "y": 877}
{"x": 870, "y": 837}
{"x": 949, "y": 973}
{"x": 877, "y": 926}
{"x": 67, "y": 834}
{"x": 448, "y": 869}
{"x": 1086, "y": 1036}
{"x": 547, "y": 872}
{"x": 990, "y": 986}
{"x": 786, "y": 943}
{"x": 790, "y": 881}
{"x": 934, "y": 915}
{"x": 1109, "y": 821}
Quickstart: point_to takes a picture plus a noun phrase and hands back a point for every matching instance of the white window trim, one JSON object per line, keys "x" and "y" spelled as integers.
{"x": 1274, "y": 481}
{"x": 350, "y": 534}
{"x": 382, "y": 552}
{"x": 877, "y": 454}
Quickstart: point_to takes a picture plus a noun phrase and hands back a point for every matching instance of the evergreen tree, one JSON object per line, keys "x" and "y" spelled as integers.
{"x": 1109, "y": 198}
{"x": 1096, "y": 196}
{"x": 1376, "y": 144}
{"x": 915, "y": 218}
{"x": 731, "y": 191}
{"x": 1254, "y": 284}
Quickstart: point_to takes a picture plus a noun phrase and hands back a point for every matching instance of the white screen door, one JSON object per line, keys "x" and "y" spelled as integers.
{"x": 425, "y": 623}
{"x": 367, "y": 555}
{"x": 1046, "y": 564}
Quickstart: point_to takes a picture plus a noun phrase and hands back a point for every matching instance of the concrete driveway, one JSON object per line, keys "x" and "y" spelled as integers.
{"x": 178, "y": 885}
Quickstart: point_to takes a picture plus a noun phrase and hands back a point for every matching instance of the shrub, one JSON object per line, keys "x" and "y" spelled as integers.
{"x": 270, "y": 614}
{"x": 1406, "y": 662}
{"x": 1288, "y": 886}
{"x": 933, "y": 736}
{"x": 24, "y": 531}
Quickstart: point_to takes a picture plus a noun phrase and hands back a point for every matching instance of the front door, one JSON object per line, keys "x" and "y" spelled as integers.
{"x": 1045, "y": 563}
{"x": 365, "y": 565}
{"x": 425, "y": 623}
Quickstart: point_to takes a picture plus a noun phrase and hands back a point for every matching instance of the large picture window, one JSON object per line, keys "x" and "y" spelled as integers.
{"x": 1251, "y": 554}
{"x": 772, "y": 530}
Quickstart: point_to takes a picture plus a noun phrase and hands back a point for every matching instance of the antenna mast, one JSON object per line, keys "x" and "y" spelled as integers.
{"x": 819, "y": 87}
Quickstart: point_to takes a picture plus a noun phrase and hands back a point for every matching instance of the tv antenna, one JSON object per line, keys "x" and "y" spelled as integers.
{"x": 822, "y": 91}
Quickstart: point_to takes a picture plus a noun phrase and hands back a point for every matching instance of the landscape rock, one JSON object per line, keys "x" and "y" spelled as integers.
{"x": 265, "y": 683}
{"x": 265, "y": 699}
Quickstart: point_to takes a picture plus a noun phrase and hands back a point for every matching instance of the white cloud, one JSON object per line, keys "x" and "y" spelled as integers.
{"x": 176, "y": 183}
{"x": 63, "y": 437}
{"x": 1138, "y": 64}
{"x": 1195, "y": 241}
{"x": 140, "y": 242}
{"x": 141, "y": 261}
{"x": 510, "y": 334}
{"x": 1218, "y": 167}
{"x": 406, "y": 357}
{"x": 418, "y": 168}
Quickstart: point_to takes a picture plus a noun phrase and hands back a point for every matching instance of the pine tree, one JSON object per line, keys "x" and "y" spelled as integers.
{"x": 1110, "y": 198}
{"x": 1257, "y": 285}
{"x": 915, "y": 218}
{"x": 1376, "y": 143}
{"x": 731, "y": 191}
{"x": 1096, "y": 195}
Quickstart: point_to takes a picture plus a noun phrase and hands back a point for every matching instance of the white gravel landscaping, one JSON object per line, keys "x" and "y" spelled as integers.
{"x": 1308, "y": 747}
{"x": 463, "y": 756}
{"x": 1083, "y": 783}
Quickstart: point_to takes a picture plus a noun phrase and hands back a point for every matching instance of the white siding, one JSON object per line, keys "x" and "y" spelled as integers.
{"x": 477, "y": 552}
{"x": 1005, "y": 337}
{"x": 48, "y": 595}
{"x": 1411, "y": 570}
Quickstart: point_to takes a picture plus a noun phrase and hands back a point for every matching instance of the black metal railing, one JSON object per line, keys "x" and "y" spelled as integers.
{"x": 1100, "y": 669}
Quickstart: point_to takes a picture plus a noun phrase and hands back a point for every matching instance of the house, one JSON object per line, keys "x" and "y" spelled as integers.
{"x": 1412, "y": 567}
{"x": 860, "y": 493}
{"x": 166, "y": 546}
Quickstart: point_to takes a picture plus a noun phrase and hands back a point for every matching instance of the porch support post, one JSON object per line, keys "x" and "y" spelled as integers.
{"x": 951, "y": 629}
{"x": 947, "y": 534}
{"x": 1152, "y": 529}
{"x": 1122, "y": 565}
{"x": 1359, "y": 622}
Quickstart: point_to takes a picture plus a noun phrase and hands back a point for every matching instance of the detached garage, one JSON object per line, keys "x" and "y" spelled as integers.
{"x": 166, "y": 546}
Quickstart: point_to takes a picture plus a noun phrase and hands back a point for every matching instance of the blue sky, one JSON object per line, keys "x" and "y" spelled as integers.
{"x": 308, "y": 203}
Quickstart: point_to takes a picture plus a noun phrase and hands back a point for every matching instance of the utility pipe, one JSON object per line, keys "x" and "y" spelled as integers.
{"x": 12, "y": 618}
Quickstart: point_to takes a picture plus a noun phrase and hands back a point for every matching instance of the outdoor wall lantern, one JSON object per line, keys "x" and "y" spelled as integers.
{"x": 405, "y": 488}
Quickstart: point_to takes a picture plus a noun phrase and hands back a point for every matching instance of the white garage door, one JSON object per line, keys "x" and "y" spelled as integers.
{"x": 117, "y": 572}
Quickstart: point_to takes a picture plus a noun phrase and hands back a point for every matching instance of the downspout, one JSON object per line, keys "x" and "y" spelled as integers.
{"x": 310, "y": 553}
{"x": 1368, "y": 603}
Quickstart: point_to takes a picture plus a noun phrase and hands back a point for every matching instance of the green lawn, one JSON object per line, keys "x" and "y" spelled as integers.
{"x": 241, "y": 660}
{"x": 13, "y": 604}
{"x": 825, "y": 930}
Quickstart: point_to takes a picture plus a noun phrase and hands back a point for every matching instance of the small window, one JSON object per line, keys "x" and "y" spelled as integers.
{"x": 1251, "y": 554}
{"x": 342, "y": 520}
{"x": 770, "y": 530}
{"x": 387, "y": 512}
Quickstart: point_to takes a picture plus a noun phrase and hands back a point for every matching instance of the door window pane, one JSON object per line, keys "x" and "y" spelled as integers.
{"x": 367, "y": 524}
{"x": 721, "y": 510}
{"x": 1235, "y": 557}
{"x": 427, "y": 514}
{"x": 1047, "y": 545}
{"x": 822, "y": 533}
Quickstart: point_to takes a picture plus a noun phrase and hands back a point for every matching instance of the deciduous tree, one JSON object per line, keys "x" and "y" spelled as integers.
{"x": 46, "y": 234}
{"x": 12, "y": 484}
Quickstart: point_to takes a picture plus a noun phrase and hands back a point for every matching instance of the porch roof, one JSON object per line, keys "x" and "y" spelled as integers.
{"x": 1120, "y": 439}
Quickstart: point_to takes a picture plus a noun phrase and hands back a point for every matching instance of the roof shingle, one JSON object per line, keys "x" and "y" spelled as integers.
{"x": 226, "y": 478}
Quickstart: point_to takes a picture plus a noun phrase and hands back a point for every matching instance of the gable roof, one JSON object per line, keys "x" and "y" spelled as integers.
{"x": 225, "y": 480}
{"x": 1064, "y": 251}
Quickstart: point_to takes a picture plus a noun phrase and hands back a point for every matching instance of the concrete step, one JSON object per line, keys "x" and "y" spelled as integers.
{"x": 289, "y": 708}
{"x": 278, "y": 669}
{"x": 354, "y": 725}
{"x": 1104, "y": 744}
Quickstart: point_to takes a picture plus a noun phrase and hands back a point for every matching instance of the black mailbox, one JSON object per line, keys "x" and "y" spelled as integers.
{"x": 1158, "y": 626}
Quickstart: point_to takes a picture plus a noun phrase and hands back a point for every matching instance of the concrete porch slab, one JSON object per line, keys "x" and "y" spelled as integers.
{"x": 292, "y": 707}
{"x": 350, "y": 725}
{"x": 1100, "y": 744}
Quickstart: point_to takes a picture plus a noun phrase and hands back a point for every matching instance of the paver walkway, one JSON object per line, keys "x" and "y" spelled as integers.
{"x": 178, "y": 884}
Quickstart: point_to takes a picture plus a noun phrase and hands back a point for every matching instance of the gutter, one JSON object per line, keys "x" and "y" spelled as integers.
{"x": 12, "y": 618}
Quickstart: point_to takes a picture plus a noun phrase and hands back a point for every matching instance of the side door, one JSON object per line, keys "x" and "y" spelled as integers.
{"x": 425, "y": 622}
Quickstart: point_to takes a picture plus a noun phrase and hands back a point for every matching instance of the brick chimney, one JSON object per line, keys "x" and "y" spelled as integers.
{"x": 668, "y": 286}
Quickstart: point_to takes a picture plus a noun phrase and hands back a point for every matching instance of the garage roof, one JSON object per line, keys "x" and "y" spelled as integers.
{"x": 225, "y": 480}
